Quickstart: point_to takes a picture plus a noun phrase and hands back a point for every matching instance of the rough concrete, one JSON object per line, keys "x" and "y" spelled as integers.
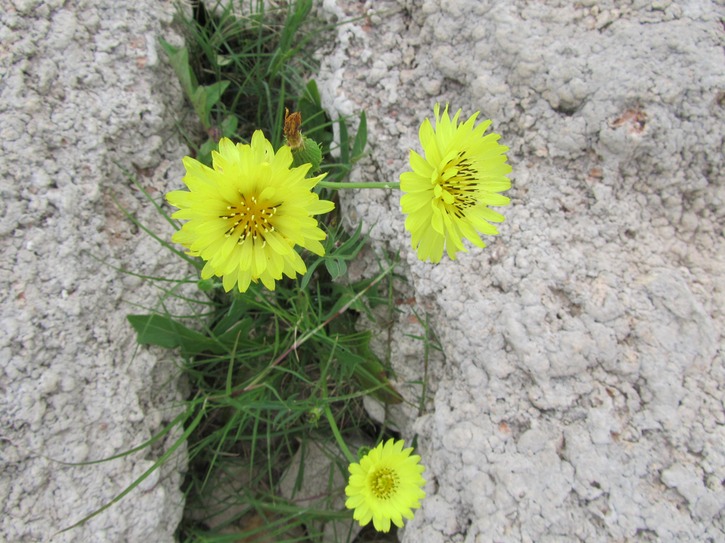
{"x": 83, "y": 93}
{"x": 581, "y": 393}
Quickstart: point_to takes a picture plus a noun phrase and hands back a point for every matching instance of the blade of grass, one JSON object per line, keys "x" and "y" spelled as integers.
{"x": 161, "y": 460}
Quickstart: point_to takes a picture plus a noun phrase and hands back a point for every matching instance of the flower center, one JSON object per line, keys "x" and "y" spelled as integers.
{"x": 458, "y": 183}
{"x": 384, "y": 483}
{"x": 249, "y": 219}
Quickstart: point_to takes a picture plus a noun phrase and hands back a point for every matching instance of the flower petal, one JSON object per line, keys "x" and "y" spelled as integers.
{"x": 446, "y": 195}
{"x": 248, "y": 213}
{"x": 385, "y": 485}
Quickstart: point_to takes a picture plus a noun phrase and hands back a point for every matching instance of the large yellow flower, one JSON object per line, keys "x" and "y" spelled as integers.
{"x": 247, "y": 214}
{"x": 386, "y": 485}
{"x": 449, "y": 190}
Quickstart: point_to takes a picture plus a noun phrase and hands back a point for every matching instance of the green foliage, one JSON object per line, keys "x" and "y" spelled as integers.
{"x": 202, "y": 97}
{"x": 264, "y": 366}
{"x": 240, "y": 72}
{"x": 167, "y": 332}
{"x": 317, "y": 125}
{"x": 315, "y": 121}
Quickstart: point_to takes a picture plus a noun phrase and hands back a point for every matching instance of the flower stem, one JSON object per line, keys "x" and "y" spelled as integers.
{"x": 367, "y": 185}
{"x": 338, "y": 435}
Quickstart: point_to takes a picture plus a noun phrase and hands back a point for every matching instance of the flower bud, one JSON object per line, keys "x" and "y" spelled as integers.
{"x": 304, "y": 150}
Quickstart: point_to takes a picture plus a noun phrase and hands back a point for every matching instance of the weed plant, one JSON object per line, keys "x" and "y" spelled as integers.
{"x": 277, "y": 376}
{"x": 273, "y": 374}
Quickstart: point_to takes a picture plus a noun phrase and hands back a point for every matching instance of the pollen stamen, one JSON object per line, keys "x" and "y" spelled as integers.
{"x": 459, "y": 178}
{"x": 251, "y": 220}
{"x": 383, "y": 483}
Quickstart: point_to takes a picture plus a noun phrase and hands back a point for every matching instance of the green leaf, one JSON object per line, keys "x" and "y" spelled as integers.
{"x": 344, "y": 143}
{"x": 203, "y": 155}
{"x": 355, "y": 353}
{"x": 179, "y": 59}
{"x": 361, "y": 139}
{"x": 166, "y": 332}
{"x": 310, "y": 270}
{"x": 336, "y": 267}
{"x": 346, "y": 295}
{"x": 351, "y": 246}
{"x": 237, "y": 310}
{"x": 229, "y": 126}
{"x": 315, "y": 121}
{"x": 224, "y": 60}
{"x": 311, "y": 95}
{"x": 205, "y": 98}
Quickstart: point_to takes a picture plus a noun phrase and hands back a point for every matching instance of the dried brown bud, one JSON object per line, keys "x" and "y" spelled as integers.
{"x": 304, "y": 150}
{"x": 292, "y": 134}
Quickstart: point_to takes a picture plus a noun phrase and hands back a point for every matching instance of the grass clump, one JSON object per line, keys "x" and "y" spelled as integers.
{"x": 241, "y": 68}
{"x": 276, "y": 377}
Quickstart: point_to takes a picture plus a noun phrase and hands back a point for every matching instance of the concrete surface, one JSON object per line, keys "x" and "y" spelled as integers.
{"x": 83, "y": 93}
{"x": 579, "y": 393}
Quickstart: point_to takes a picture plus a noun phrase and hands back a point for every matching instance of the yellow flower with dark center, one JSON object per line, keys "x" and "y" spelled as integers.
{"x": 446, "y": 196}
{"x": 385, "y": 486}
{"x": 248, "y": 213}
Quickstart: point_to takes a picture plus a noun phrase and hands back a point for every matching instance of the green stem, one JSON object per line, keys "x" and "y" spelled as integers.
{"x": 338, "y": 435}
{"x": 369, "y": 185}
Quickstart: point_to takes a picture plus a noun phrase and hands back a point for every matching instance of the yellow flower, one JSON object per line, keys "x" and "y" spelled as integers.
{"x": 386, "y": 485}
{"x": 247, "y": 214}
{"x": 449, "y": 190}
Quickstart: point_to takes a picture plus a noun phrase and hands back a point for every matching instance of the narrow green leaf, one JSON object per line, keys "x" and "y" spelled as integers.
{"x": 179, "y": 60}
{"x": 316, "y": 123}
{"x": 156, "y": 465}
{"x": 203, "y": 155}
{"x": 229, "y": 126}
{"x": 238, "y": 309}
{"x": 310, "y": 270}
{"x": 312, "y": 93}
{"x": 344, "y": 142}
{"x": 166, "y": 332}
{"x": 214, "y": 93}
{"x": 361, "y": 139}
{"x": 368, "y": 370}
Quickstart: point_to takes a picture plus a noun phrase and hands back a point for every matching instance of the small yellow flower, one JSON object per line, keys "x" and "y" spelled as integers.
{"x": 247, "y": 214}
{"x": 386, "y": 485}
{"x": 449, "y": 190}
